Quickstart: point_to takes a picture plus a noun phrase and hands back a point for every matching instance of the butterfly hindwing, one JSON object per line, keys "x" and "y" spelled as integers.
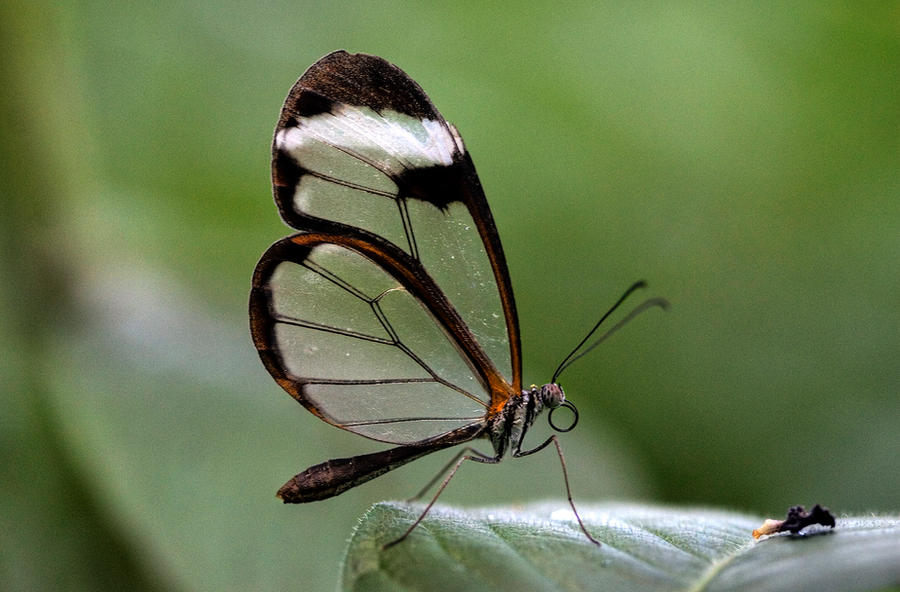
{"x": 341, "y": 327}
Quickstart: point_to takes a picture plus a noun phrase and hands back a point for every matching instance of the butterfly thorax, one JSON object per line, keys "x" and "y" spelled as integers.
{"x": 507, "y": 429}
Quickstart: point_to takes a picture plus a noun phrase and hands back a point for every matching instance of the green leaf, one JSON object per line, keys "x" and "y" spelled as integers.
{"x": 540, "y": 547}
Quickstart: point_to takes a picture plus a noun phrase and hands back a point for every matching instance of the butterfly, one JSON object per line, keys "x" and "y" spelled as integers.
{"x": 391, "y": 313}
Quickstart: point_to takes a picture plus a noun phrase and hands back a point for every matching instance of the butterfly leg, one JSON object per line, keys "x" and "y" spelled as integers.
{"x": 562, "y": 461}
{"x": 453, "y": 461}
{"x": 459, "y": 461}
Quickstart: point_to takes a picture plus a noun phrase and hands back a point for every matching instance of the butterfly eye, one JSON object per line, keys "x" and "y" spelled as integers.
{"x": 552, "y": 395}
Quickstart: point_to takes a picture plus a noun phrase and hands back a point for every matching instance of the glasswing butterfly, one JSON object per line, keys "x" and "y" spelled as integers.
{"x": 391, "y": 314}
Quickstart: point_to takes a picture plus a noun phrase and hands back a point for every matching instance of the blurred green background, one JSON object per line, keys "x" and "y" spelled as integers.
{"x": 744, "y": 158}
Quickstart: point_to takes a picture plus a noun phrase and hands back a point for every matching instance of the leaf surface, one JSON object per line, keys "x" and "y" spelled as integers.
{"x": 539, "y": 547}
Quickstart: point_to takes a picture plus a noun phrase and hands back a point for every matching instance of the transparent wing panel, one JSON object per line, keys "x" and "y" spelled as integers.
{"x": 323, "y": 353}
{"x": 426, "y": 340}
{"x": 451, "y": 250}
{"x": 350, "y": 158}
{"x": 309, "y": 293}
{"x": 324, "y": 154}
{"x": 358, "y": 408}
{"x": 328, "y": 199}
{"x": 368, "y": 355}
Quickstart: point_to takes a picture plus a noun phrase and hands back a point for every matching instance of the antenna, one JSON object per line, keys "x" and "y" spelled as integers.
{"x": 575, "y": 354}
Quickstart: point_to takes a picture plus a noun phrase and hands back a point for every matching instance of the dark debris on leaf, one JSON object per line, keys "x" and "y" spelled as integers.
{"x": 797, "y": 519}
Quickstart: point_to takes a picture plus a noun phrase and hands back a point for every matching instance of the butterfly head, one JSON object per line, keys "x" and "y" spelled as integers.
{"x": 553, "y": 397}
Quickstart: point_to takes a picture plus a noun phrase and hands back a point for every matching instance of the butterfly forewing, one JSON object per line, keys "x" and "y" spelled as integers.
{"x": 360, "y": 144}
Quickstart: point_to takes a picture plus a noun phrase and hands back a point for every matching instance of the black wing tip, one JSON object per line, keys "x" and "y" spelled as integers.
{"x": 358, "y": 79}
{"x": 344, "y": 58}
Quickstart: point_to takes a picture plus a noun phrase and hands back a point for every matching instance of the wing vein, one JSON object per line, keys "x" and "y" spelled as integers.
{"x": 408, "y": 229}
{"x": 351, "y": 185}
{"x": 286, "y": 320}
{"x": 407, "y": 420}
{"x": 336, "y": 280}
{"x": 365, "y": 381}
